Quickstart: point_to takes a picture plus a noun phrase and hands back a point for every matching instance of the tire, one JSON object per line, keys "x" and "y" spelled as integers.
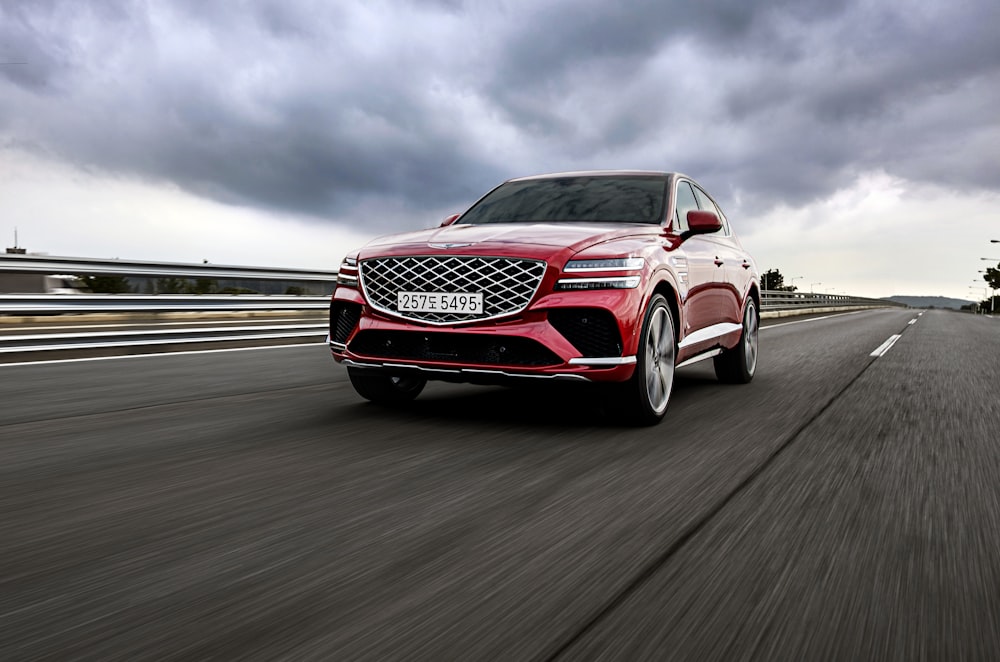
{"x": 385, "y": 389}
{"x": 738, "y": 365}
{"x": 643, "y": 399}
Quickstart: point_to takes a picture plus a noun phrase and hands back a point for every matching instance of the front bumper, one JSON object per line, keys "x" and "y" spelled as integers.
{"x": 576, "y": 336}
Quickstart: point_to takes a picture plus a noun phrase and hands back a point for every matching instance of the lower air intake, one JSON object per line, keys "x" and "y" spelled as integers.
{"x": 472, "y": 349}
{"x": 592, "y": 331}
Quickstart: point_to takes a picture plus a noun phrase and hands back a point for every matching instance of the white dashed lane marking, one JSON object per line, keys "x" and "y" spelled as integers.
{"x": 886, "y": 346}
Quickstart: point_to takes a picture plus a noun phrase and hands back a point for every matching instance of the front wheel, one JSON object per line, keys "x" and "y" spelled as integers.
{"x": 385, "y": 389}
{"x": 643, "y": 399}
{"x": 738, "y": 365}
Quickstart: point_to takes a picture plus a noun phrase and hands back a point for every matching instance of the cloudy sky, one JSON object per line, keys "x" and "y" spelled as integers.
{"x": 854, "y": 145}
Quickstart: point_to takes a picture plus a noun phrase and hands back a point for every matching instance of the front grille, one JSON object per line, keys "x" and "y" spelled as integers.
{"x": 479, "y": 349}
{"x": 594, "y": 332}
{"x": 507, "y": 284}
{"x": 344, "y": 317}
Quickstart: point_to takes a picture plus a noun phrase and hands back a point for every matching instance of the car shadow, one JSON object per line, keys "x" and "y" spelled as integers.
{"x": 555, "y": 405}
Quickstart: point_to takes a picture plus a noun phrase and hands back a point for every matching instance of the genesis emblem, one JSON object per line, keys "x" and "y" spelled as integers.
{"x": 448, "y": 245}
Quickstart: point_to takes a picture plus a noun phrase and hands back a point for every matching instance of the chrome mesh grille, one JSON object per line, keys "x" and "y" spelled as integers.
{"x": 507, "y": 284}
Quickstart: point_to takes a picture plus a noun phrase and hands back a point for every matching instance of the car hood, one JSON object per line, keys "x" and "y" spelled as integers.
{"x": 525, "y": 239}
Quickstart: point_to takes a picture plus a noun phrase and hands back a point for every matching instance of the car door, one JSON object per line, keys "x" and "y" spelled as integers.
{"x": 733, "y": 274}
{"x": 704, "y": 297}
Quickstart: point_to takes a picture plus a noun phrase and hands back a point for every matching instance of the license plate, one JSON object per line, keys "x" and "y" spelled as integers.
{"x": 463, "y": 303}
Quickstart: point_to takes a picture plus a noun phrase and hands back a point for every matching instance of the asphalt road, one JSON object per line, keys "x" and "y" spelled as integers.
{"x": 248, "y": 505}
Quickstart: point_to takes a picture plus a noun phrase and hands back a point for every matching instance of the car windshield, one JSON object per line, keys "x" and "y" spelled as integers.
{"x": 613, "y": 199}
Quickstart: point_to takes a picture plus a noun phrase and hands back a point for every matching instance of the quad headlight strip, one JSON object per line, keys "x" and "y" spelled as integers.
{"x": 607, "y": 264}
{"x": 601, "y": 265}
{"x": 348, "y": 273}
{"x": 611, "y": 283}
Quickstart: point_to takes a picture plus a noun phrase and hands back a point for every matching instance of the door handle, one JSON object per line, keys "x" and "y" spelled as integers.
{"x": 746, "y": 265}
{"x": 719, "y": 262}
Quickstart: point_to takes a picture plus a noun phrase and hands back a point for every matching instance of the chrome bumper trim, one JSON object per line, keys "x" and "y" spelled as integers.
{"x": 709, "y": 333}
{"x": 604, "y": 362}
{"x": 462, "y": 371}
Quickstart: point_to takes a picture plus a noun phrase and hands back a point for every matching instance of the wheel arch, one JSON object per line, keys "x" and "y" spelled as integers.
{"x": 666, "y": 289}
{"x": 754, "y": 294}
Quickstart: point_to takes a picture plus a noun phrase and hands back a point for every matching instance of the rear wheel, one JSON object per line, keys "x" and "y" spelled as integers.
{"x": 738, "y": 365}
{"x": 385, "y": 389}
{"x": 643, "y": 399}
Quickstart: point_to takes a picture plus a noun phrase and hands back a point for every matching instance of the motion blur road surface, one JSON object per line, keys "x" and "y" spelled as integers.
{"x": 247, "y": 505}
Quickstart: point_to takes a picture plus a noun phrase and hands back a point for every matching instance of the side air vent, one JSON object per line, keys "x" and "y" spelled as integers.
{"x": 344, "y": 317}
{"x": 594, "y": 332}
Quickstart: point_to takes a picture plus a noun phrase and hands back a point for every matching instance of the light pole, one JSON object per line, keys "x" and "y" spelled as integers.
{"x": 973, "y": 292}
{"x": 812, "y": 287}
{"x": 791, "y": 281}
{"x": 985, "y": 295}
{"x": 992, "y": 291}
{"x": 991, "y": 296}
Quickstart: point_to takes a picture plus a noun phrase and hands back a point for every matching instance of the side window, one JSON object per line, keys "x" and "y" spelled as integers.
{"x": 708, "y": 204}
{"x": 685, "y": 203}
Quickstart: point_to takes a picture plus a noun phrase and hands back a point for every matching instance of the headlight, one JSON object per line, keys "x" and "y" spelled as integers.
{"x": 605, "y": 264}
{"x": 616, "y": 283}
{"x": 347, "y": 275}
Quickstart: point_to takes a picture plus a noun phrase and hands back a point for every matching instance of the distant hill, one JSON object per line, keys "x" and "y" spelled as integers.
{"x": 929, "y": 302}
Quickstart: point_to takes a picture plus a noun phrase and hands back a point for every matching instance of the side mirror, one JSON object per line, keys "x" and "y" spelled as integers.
{"x": 703, "y": 222}
{"x": 450, "y": 219}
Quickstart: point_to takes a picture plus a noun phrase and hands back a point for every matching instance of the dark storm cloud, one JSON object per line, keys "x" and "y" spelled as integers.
{"x": 812, "y": 93}
{"x": 322, "y": 107}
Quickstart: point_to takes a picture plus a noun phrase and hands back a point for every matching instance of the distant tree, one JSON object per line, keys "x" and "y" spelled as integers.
{"x": 992, "y": 277}
{"x": 990, "y": 305}
{"x": 203, "y": 286}
{"x": 171, "y": 285}
{"x": 772, "y": 280}
{"x": 107, "y": 284}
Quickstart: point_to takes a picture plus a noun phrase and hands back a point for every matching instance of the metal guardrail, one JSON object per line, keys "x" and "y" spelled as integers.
{"x": 120, "y": 336}
{"x": 772, "y": 300}
{"x": 54, "y": 304}
{"x": 27, "y": 304}
{"x": 57, "y": 304}
{"x": 82, "y": 266}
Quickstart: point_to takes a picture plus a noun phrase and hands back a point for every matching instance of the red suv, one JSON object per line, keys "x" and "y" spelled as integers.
{"x": 613, "y": 277}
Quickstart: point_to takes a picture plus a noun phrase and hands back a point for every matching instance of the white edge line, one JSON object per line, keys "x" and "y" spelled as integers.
{"x": 811, "y": 319}
{"x": 160, "y": 332}
{"x": 155, "y": 354}
{"x": 60, "y": 327}
{"x": 886, "y": 346}
{"x": 20, "y": 349}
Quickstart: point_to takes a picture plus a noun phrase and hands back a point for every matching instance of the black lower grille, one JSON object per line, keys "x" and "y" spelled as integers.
{"x": 594, "y": 332}
{"x": 453, "y": 348}
{"x": 344, "y": 317}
